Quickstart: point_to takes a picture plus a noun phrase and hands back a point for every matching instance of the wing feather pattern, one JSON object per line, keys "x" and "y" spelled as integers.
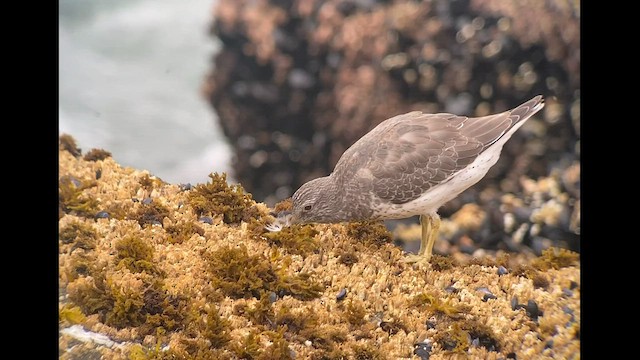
{"x": 408, "y": 154}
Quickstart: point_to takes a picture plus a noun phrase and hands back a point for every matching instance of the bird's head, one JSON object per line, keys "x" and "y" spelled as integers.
{"x": 313, "y": 202}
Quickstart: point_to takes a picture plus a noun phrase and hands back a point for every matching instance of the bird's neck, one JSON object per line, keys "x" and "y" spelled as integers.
{"x": 332, "y": 192}
{"x": 341, "y": 198}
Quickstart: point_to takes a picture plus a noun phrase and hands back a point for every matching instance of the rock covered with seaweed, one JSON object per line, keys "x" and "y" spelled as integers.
{"x": 151, "y": 270}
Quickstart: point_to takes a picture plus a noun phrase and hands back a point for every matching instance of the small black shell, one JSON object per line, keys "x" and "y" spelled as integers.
{"x": 342, "y": 294}
{"x": 532, "y": 309}
{"x": 206, "y": 219}
{"x": 422, "y": 350}
{"x": 102, "y": 215}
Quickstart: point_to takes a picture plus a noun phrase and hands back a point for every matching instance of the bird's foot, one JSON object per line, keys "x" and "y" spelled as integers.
{"x": 416, "y": 259}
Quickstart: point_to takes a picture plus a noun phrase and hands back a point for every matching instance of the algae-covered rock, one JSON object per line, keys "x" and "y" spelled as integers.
{"x": 149, "y": 280}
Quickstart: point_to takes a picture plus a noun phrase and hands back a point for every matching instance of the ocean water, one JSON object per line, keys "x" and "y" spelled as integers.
{"x": 130, "y": 75}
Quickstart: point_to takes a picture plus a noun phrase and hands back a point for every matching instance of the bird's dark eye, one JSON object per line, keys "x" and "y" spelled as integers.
{"x": 307, "y": 207}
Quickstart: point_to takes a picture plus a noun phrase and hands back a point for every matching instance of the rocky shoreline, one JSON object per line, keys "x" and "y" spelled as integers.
{"x": 152, "y": 270}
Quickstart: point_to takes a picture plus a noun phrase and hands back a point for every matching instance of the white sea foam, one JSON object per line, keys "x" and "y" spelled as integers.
{"x": 130, "y": 78}
{"x": 79, "y": 333}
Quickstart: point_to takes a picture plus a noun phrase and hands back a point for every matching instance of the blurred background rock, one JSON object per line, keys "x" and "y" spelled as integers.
{"x": 296, "y": 82}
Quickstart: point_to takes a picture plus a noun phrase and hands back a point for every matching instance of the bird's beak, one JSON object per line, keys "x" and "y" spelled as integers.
{"x": 285, "y": 218}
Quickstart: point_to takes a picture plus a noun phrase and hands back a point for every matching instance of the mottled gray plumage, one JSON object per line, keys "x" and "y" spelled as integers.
{"x": 389, "y": 172}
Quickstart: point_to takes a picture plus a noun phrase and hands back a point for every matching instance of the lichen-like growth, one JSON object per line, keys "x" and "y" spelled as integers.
{"x": 220, "y": 198}
{"x": 455, "y": 340}
{"x": 240, "y": 275}
{"x": 538, "y": 277}
{"x": 370, "y": 233}
{"x": 248, "y": 347}
{"x": 151, "y": 309}
{"x": 127, "y": 308}
{"x": 279, "y": 348}
{"x": 393, "y": 326}
{"x": 348, "y": 258}
{"x": 366, "y": 351}
{"x": 354, "y": 312}
{"x": 149, "y": 183}
{"x": 96, "y": 155}
{"x": 284, "y": 205}
{"x": 150, "y": 214}
{"x": 500, "y": 260}
{"x": 68, "y": 143}
{"x": 82, "y": 235}
{"x": 555, "y": 258}
{"x": 433, "y": 304}
{"x": 135, "y": 254}
{"x": 71, "y": 315}
{"x": 525, "y": 270}
{"x": 301, "y": 285}
{"x": 216, "y": 329}
{"x": 455, "y": 331}
{"x": 262, "y": 312}
{"x": 81, "y": 263}
{"x": 197, "y": 352}
{"x": 298, "y": 326}
{"x": 325, "y": 337}
{"x": 179, "y": 233}
{"x": 120, "y": 210}
{"x": 540, "y": 280}
{"x": 456, "y": 336}
{"x": 440, "y": 263}
{"x": 296, "y": 322}
{"x": 296, "y": 239}
{"x": 162, "y": 311}
{"x": 71, "y": 198}
{"x": 92, "y": 295}
{"x": 139, "y": 352}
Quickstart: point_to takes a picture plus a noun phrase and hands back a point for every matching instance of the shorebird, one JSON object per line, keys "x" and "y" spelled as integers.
{"x": 408, "y": 165}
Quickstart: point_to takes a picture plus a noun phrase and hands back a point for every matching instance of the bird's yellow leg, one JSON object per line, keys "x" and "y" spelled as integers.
{"x": 430, "y": 231}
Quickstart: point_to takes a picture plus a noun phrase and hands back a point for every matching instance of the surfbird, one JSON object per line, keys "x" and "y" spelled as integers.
{"x": 408, "y": 165}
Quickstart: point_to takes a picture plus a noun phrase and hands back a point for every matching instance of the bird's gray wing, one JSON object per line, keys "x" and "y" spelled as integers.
{"x": 408, "y": 154}
{"x": 419, "y": 152}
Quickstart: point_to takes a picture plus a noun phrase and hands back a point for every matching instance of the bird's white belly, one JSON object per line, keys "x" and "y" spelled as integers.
{"x": 440, "y": 194}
